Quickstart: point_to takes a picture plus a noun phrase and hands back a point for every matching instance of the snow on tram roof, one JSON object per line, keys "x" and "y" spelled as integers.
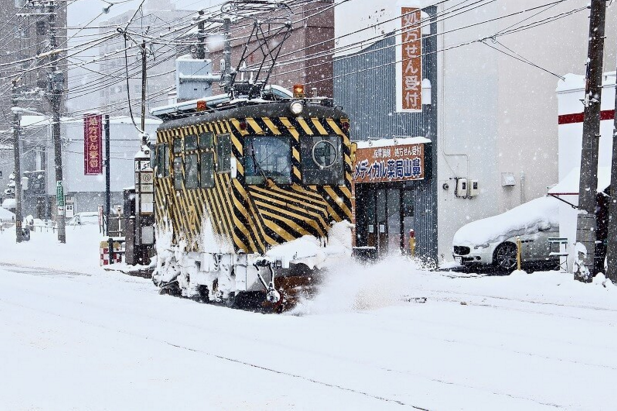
{"x": 389, "y": 142}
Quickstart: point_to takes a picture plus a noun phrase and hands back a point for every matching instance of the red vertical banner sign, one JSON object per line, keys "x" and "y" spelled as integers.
{"x": 409, "y": 81}
{"x": 93, "y": 144}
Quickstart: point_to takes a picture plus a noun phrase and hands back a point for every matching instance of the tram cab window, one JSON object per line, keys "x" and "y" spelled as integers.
{"x": 267, "y": 157}
{"x": 178, "y": 178}
{"x": 322, "y": 160}
{"x": 191, "y": 174}
{"x": 207, "y": 169}
{"x": 162, "y": 160}
{"x": 223, "y": 153}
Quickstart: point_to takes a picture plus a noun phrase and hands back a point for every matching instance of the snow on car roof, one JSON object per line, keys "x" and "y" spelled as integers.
{"x": 528, "y": 218}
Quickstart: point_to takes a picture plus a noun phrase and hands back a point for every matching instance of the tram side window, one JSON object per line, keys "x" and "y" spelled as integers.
{"x": 162, "y": 160}
{"x": 178, "y": 178}
{"x": 207, "y": 170}
{"x": 322, "y": 160}
{"x": 223, "y": 153}
{"x": 177, "y": 145}
{"x": 191, "y": 172}
{"x": 190, "y": 142}
{"x": 206, "y": 139}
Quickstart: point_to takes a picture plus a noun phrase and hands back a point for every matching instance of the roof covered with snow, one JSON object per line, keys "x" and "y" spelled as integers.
{"x": 569, "y": 185}
{"x": 576, "y": 82}
{"x": 6, "y": 215}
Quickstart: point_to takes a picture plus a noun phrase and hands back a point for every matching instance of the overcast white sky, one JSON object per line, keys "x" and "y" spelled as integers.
{"x": 82, "y": 11}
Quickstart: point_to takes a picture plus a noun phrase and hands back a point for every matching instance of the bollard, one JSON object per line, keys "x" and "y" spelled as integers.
{"x": 110, "y": 244}
{"x": 518, "y": 253}
{"x": 412, "y": 242}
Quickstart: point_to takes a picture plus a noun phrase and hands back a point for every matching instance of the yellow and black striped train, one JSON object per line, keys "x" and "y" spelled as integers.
{"x": 251, "y": 197}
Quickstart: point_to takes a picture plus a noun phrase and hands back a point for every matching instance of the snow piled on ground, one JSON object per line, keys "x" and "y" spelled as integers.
{"x": 397, "y": 281}
{"x": 381, "y": 336}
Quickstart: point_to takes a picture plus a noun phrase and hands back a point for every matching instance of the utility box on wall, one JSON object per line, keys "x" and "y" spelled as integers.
{"x": 461, "y": 187}
{"x": 474, "y": 189}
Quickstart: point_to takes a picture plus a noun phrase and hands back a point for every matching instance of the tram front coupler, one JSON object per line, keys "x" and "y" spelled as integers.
{"x": 272, "y": 295}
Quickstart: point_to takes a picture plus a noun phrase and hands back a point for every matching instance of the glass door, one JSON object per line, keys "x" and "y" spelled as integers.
{"x": 394, "y": 225}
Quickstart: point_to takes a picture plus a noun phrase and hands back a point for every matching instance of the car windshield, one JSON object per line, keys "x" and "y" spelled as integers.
{"x": 267, "y": 157}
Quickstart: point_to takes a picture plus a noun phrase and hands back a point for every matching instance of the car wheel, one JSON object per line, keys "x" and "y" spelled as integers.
{"x": 505, "y": 256}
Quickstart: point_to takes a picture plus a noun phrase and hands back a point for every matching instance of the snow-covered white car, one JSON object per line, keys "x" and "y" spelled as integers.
{"x": 492, "y": 241}
{"x": 84, "y": 218}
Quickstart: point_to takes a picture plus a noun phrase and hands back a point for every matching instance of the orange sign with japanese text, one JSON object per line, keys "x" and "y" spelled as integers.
{"x": 93, "y": 145}
{"x": 410, "y": 83}
{"x": 388, "y": 164}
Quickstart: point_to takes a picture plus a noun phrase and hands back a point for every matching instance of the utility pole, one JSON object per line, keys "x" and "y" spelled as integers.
{"x": 586, "y": 220}
{"x": 17, "y": 172}
{"x": 143, "y": 89}
{"x": 611, "y": 252}
{"x": 107, "y": 175}
{"x": 201, "y": 37}
{"x": 55, "y": 88}
{"x": 226, "y": 72}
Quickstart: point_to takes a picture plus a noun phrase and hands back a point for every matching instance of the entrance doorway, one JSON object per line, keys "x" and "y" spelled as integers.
{"x": 384, "y": 217}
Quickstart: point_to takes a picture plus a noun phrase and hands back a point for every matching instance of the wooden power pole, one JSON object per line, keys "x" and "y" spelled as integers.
{"x": 586, "y": 221}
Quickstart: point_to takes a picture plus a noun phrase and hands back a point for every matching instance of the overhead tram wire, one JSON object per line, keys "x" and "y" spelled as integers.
{"x": 375, "y": 38}
{"x": 520, "y": 58}
{"x": 423, "y": 23}
{"x": 436, "y": 3}
{"x": 463, "y": 44}
{"x": 106, "y": 82}
{"x": 561, "y": 15}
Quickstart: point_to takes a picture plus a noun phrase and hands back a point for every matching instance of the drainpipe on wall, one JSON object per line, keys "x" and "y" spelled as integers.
{"x": 523, "y": 200}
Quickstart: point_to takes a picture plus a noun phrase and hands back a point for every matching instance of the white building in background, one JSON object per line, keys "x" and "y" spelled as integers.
{"x": 497, "y": 116}
{"x": 157, "y": 17}
{"x": 570, "y": 92}
{"x": 87, "y": 192}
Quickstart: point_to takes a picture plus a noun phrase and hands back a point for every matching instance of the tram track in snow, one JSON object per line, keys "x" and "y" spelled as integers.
{"x": 271, "y": 343}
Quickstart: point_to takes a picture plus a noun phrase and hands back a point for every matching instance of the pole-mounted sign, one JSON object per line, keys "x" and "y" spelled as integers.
{"x": 59, "y": 194}
{"x": 93, "y": 145}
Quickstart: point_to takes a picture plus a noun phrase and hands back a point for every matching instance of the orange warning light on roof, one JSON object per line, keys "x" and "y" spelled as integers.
{"x": 298, "y": 91}
{"x": 202, "y": 105}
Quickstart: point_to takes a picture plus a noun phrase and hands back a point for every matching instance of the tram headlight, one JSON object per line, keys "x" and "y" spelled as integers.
{"x": 296, "y": 108}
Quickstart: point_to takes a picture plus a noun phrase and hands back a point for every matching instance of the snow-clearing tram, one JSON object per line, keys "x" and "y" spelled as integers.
{"x": 253, "y": 187}
{"x": 251, "y": 196}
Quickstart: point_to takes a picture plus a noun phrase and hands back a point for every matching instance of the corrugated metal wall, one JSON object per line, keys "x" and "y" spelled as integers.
{"x": 365, "y": 86}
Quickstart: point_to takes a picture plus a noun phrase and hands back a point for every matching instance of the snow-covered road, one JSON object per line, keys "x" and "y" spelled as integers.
{"x": 81, "y": 338}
